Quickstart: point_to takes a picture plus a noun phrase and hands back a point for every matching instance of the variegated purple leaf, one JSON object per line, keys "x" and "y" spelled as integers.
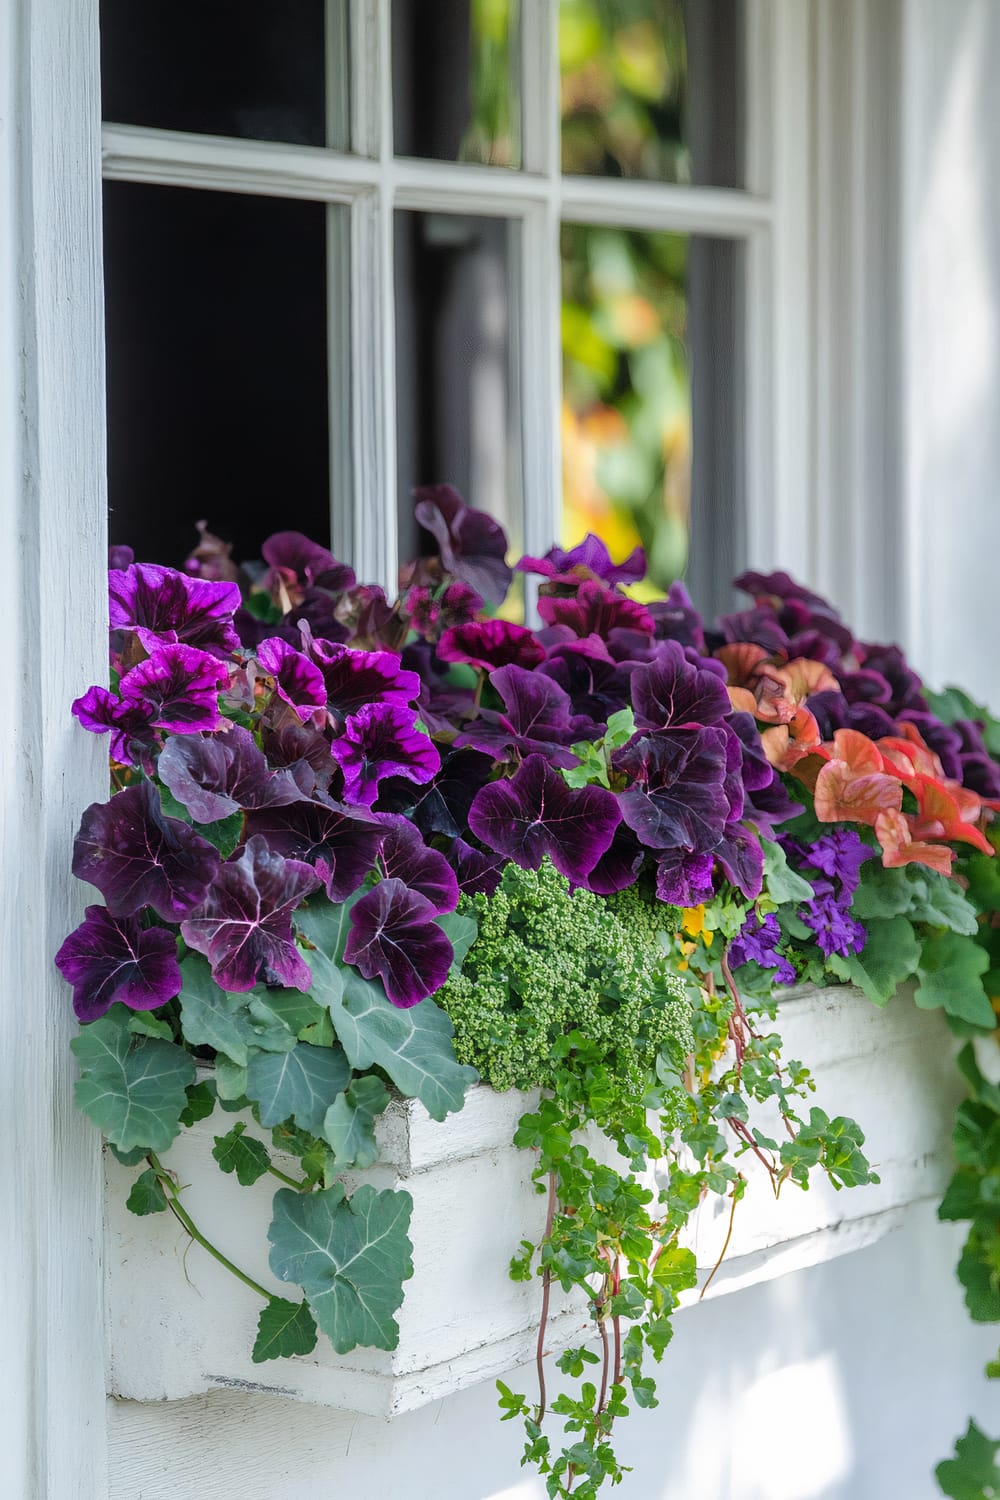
{"x": 296, "y": 679}
{"x": 598, "y": 686}
{"x": 474, "y": 870}
{"x": 137, "y": 857}
{"x": 380, "y": 740}
{"x": 395, "y": 938}
{"x": 473, "y": 546}
{"x": 110, "y": 959}
{"x": 244, "y": 925}
{"x": 668, "y": 692}
{"x": 684, "y": 879}
{"x": 404, "y": 856}
{"x": 302, "y": 750}
{"x": 340, "y": 842}
{"x": 490, "y": 644}
{"x": 742, "y": 858}
{"x": 537, "y": 718}
{"x": 214, "y": 778}
{"x": 162, "y": 605}
{"x": 536, "y": 814}
{"x": 677, "y": 798}
{"x": 179, "y": 686}
{"x": 619, "y": 865}
{"x": 677, "y": 619}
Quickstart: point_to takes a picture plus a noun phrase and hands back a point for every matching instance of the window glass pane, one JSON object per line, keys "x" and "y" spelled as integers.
{"x": 216, "y": 368}
{"x": 456, "y": 393}
{"x": 653, "y": 89}
{"x": 455, "y": 80}
{"x": 652, "y": 398}
{"x": 245, "y": 68}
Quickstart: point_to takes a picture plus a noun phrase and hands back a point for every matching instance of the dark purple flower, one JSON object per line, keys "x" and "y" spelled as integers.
{"x": 307, "y": 563}
{"x": 302, "y": 750}
{"x": 474, "y": 870}
{"x": 162, "y": 606}
{"x": 596, "y": 610}
{"x": 981, "y": 774}
{"x": 107, "y": 961}
{"x": 244, "y": 925}
{"x": 836, "y": 931}
{"x": 782, "y": 587}
{"x": 216, "y": 777}
{"x": 537, "y": 814}
{"x": 339, "y": 842}
{"x": 379, "y": 741}
{"x": 536, "y": 718}
{"x": 443, "y": 806}
{"x": 870, "y": 720}
{"x": 839, "y": 855}
{"x": 590, "y": 559}
{"x": 585, "y": 669}
{"x": 120, "y": 558}
{"x": 618, "y": 866}
{"x": 677, "y": 798}
{"x": 296, "y": 679}
{"x": 179, "y": 686}
{"x": 677, "y": 619}
{"x": 355, "y": 679}
{"x": 458, "y": 604}
{"x": 490, "y": 644}
{"x": 906, "y": 690}
{"x": 136, "y": 857}
{"x": 758, "y": 626}
{"x": 472, "y": 545}
{"x": 865, "y": 687}
{"x": 757, "y": 771}
{"x": 668, "y": 692}
{"x": 684, "y": 879}
{"x": 394, "y": 936}
{"x": 757, "y": 942}
{"x": 102, "y": 713}
{"x": 404, "y": 856}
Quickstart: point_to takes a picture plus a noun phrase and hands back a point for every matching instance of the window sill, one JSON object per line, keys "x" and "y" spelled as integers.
{"x": 179, "y": 1325}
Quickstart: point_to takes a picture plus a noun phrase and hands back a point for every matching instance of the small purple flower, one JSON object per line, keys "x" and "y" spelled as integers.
{"x": 380, "y": 740}
{"x": 590, "y": 559}
{"x": 839, "y": 855}
{"x": 356, "y": 679}
{"x": 474, "y": 870}
{"x": 296, "y": 679}
{"x": 757, "y": 942}
{"x": 102, "y": 713}
{"x": 835, "y": 929}
{"x": 162, "y": 605}
{"x": 490, "y": 644}
{"x": 108, "y": 960}
{"x": 302, "y": 561}
{"x": 394, "y": 936}
{"x": 179, "y": 686}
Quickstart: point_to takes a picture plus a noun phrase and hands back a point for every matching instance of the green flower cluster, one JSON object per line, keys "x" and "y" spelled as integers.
{"x": 548, "y": 962}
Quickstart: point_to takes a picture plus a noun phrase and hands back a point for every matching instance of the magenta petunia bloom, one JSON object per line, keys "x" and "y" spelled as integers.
{"x": 296, "y": 679}
{"x": 355, "y": 679}
{"x": 394, "y": 937}
{"x": 596, "y": 610}
{"x": 590, "y": 559}
{"x": 137, "y": 857}
{"x": 490, "y": 644}
{"x": 179, "y": 686}
{"x": 110, "y": 959}
{"x": 244, "y": 925}
{"x": 472, "y": 545}
{"x": 102, "y": 713}
{"x": 305, "y": 562}
{"x": 162, "y": 605}
{"x": 380, "y": 740}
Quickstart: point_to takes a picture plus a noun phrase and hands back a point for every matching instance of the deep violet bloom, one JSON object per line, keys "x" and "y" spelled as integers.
{"x": 596, "y": 610}
{"x": 757, "y": 942}
{"x": 443, "y": 806}
{"x": 216, "y": 777}
{"x": 179, "y": 687}
{"x": 677, "y": 619}
{"x": 906, "y": 690}
{"x": 677, "y": 796}
{"x": 536, "y": 813}
{"x": 490, "y": 644}
{"x": 355, "y": 679}
{"x": 120, "y": 557}
{"x": 669, "y": 691}
{"x": 341, "y": 843}
{"x": 839, "y": 855}
{"x": 103, "y": 713}
{"x": 137, "y": 857}
{"x": 684, "y": 879}
{"x": 458, "y": 604}
{"x": 597, "y": 685}
{"x": 244, "y": 925}
{"x": 828, "y": 915}
{"x": 536, "y": 717}
{"x": 781, "y": 586}
{"x": 757, "y": 625}
{"x": 472, "y": 545}
{"x": 162, "y": 605}
{"x": 981, "y": 774}
{"x": 380, "y": 740}
{"x": 296, "y": 679}
{"x": 619, "y": 865}
{"x": 590, "y": 559}
{"x": 394, "y": 936}
{"x": 301, "y": 749}
{"x": 405, "y": 856}
{"x": 741, "y": 859}
{"x": 108, "y": 960}
{"x": 297, "y": 557}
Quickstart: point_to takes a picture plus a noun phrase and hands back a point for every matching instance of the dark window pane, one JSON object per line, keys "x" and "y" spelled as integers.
{"x": 456, "y": 408}
{"x": 653, "y": 89}
{"x": 455, "y": 80}
{"x": 217, "y": 368}
{"x": 246, "y": 68}
{"x": 652, "y": 399}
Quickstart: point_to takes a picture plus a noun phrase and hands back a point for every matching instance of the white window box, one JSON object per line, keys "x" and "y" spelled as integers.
{"x": 180, "y": 1325}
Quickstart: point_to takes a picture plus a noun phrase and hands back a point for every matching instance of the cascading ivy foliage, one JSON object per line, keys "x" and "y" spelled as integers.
{"x": 358, "y": 847}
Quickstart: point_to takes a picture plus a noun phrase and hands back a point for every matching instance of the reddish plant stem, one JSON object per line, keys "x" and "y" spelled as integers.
{"x": 616, "y": 1284}
{"x": 546, "y": 1291}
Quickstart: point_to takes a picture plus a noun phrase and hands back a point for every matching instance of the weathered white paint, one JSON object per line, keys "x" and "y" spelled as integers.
{"x": 180, "y": 1325}
{"x": 52, "y": 542}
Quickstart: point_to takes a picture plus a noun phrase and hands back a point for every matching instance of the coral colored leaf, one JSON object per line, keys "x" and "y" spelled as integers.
{"x": 845, "y": 794}
{"x": 283, "y": 1330}
{"x": 893, "y": 831}
{"x": 351, "y": 1257}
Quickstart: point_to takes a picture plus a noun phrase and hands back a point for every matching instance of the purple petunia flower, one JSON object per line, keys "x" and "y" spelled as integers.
{"x": 380, "y": 740}
{"x": 536, "y": 814}
{"x": 298, "y": 559}
{"x": 339, "y": 842}
{"x": 596, "y": 610}
{"x": 677, "y": 796}
{"x": 356, "y": 679}
{"x": 757, "y": 942}
{"x": 162, "y": 605}
{"x": 179, "y": 687}
{"x": 102, "y": 713}
{"x": 590, "y": 559}
{"x": 839, "y": 855}
{"x": 536, "y": 717}
{"x": 684, "y": 879}
{"x": 472, "y": 545}
{"x": 296, "y": 679}
{"x": 835, "y": 929}
{"x": 110, "y": 959}
{"x": 490, "y": 644}
{"x": 670, "y": 691}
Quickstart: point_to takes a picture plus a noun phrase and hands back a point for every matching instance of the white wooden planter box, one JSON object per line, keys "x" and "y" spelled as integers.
{"x": 178, "y": 1324}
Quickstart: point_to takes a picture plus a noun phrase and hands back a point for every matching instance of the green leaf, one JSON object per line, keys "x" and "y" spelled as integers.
{"x": 979, "y": 1272}
{"x": 973, "y": 1473}
{"x": 143, "y": 1024}
{"x": 349, "y": 1255}
{"x": 350, "y": 1122}
{"x": 941, "y": 903}
{"x": 888, "y": 958}
{"x": 413, "y": 1046}
{"x": 240, "y": 1153}
{"x": 212, "y": 1018}
{"x": 131, "y": 1088}
{"x": 200, "y": 1102}
{"x": 461, "y": 930}
{"x": 230, "y": 1083}
{"x": 283, "y": 1329}
{"x": 288, "y": 1008}
{"x": 133, "y": 1157}
{"x": 983, "y": 872}
{"x": 620, "y": 729}
{"x": 225, "y": 834}
{"x": 301, "y": 1084}
{"x": 327, "y": 926}
{"x": 950, "y": 971}
{"x": 782, "y": 884}
{"x": 147, "y": 1195}
{"x": 882, "y": 892}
